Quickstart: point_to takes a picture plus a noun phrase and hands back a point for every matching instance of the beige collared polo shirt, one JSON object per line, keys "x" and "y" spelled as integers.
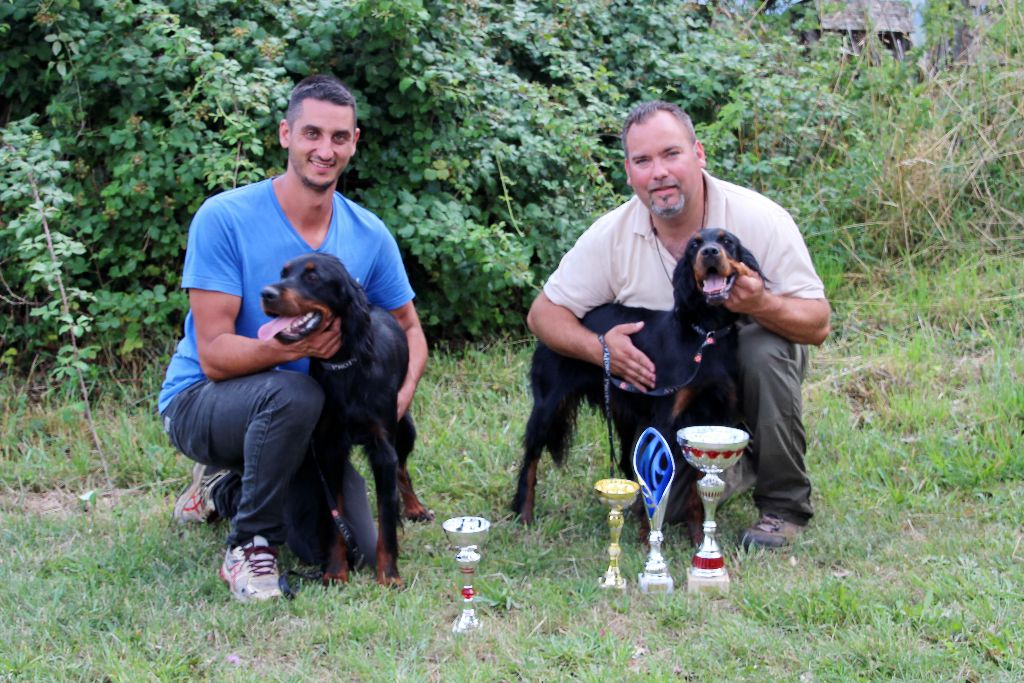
{"x": 618, "y": 258}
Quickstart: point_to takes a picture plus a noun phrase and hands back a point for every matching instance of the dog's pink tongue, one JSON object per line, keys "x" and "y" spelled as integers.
{"x": 714, "y": 283}
{"x": 273, "y": 327}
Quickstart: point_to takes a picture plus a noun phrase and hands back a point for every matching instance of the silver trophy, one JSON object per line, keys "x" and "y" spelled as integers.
{"x": 655, "y": 469}
{"x": 467, "y": 534}
{"x": 712, "y": 450}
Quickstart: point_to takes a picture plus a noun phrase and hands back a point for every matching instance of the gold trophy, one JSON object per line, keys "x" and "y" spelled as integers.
{"x": 617, "y": 494}
{"x": 712, "y": 450}
{"x": 466, "y": 533}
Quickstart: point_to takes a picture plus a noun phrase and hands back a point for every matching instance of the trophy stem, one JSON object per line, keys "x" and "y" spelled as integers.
{"x": 613, "y": 577}
{"x": 707, "y": 571}
{"x": 655, "y": 577}
{"x": 468, "y": 558}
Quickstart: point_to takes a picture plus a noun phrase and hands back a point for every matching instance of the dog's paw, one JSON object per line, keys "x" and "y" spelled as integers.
{"x": 526, "y": 517}
{"x": 421, "y": 514}
{"x": 390, "y": 581}
{"x": 333, "y": 578}
{"x": 523, "y": 512}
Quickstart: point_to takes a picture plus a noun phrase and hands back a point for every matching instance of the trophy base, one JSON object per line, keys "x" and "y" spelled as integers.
{"x": 655, "y": 584}
{"x": 707, "y": 584}
{"x": 618, "y": 583}
{"x": 467, "y": 621}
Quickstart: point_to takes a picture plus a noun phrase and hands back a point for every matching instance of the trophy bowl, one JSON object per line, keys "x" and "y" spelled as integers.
{"x": 617, "y": 493}
{"x": 463, "y": 532}
{"x": 712, "y": 448}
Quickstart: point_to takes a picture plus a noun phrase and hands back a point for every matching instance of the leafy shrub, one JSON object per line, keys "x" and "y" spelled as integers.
{"x": 490, "y": 136}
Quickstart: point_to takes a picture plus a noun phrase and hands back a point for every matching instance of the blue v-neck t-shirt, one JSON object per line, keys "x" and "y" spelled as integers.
{"x": 237, "y": 244}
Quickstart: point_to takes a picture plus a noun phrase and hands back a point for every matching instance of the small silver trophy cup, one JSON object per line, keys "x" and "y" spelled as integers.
{"x": 466, "y": 533}
{"x": 712, "y": 450}
{"x": 655, "y": 468}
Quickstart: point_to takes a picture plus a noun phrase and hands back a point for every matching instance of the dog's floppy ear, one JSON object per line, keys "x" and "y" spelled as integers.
{"x": 353, "y": 308}
{"x": 684, "y": 283}
{"x": 750, "y": 261}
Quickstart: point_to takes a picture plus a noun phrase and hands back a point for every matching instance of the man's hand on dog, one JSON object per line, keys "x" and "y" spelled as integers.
{"x": 628, "y": 362}
{"x": 748, "y": 295}
{"x": 323, "y": 343}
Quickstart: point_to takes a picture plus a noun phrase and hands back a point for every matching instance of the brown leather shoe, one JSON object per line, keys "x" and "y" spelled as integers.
{"x": 771, "y": 531}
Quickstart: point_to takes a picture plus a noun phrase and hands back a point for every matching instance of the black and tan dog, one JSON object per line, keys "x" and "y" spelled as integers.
{"x": 361, "y": 384}
{"x": 693, "y": 348}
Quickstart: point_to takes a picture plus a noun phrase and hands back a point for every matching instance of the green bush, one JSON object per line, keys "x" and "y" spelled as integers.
{"x": 490, "y": 136}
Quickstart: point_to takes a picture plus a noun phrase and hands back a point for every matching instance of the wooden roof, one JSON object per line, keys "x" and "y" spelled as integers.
{"x": 858, "y": 15}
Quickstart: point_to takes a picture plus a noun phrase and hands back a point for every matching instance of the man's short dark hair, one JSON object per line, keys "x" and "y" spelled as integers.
{"x": 320, "y": 87}
{"x": 645, "y": 110}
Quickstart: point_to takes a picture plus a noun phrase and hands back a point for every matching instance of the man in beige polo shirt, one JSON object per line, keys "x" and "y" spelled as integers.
{"x": 627, "y": 256}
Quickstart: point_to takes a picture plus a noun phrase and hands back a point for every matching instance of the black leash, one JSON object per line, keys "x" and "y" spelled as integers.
{"x": 606, "y": 357}
{"x": 356, "y": 558}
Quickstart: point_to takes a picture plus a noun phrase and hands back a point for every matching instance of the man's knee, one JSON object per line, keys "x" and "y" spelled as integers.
{"x": 766, "y": 356}
{"x": 293, "y": 396}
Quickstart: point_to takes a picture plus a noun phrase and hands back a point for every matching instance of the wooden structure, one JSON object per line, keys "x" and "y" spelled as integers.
{"x": 890, "y": 20}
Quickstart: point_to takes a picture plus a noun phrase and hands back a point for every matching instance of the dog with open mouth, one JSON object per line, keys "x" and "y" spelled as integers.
{"x": 694, "y": 349}
{"x": 361, "y": 383}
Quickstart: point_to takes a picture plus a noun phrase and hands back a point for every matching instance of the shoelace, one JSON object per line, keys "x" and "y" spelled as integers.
{"x": 261, "y": 559}
{"x": 770, "y": 523}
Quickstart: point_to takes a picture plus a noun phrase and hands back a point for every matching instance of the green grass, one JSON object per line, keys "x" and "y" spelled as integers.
{"x": 912, "y": 569}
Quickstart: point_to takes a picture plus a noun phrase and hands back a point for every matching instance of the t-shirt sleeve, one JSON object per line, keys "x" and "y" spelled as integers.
{"x": 212, "y": 261}
{"x": 787, "y": 263}
{"x": 387, "y": 284}
{"x": 584, "y": 279}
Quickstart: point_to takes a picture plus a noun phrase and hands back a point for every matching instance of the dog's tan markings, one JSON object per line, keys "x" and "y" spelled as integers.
{"x": 683, "y": 398}
{"x": 336, "y": 570}
{"x": 387, "y": 568}
{"x": 526, "y": 514}
{"x": 698, "y": 270}
{"x": 742, "y": 268}
{"x": 411, "y": 505}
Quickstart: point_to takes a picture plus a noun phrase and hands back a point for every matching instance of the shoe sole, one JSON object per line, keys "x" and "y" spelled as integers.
{"x": 241, "y": 597}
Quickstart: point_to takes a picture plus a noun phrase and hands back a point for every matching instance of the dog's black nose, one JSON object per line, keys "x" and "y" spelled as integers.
{"x": 270, "y": 293}
{"x": 709, "y": 250}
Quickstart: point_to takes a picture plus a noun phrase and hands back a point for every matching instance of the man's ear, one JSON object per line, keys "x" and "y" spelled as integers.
{"x": 283, "y": 133}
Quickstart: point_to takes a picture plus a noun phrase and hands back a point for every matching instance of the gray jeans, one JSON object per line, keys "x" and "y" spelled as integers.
{"x": 259, "y": 427}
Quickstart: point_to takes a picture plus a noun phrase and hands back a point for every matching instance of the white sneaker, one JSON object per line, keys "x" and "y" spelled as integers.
{"x": 250, "y": 571}
{"x": 195, "y": 503}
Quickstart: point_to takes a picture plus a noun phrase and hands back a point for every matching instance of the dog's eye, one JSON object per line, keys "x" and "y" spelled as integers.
{"x": 312, "y": 276}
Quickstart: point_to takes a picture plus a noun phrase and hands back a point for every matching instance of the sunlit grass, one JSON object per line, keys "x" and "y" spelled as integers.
{"x": 910, "y": 570}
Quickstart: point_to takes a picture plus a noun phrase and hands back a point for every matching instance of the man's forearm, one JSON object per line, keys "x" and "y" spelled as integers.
{"x": 802, "y": 321}
{"x": 230, "y": 355}
{"x": 562, "y": 332}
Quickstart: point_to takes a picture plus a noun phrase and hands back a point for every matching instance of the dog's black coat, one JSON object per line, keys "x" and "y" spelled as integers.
{"x": 361, "y": 384}
{"x": 698, "y": 392}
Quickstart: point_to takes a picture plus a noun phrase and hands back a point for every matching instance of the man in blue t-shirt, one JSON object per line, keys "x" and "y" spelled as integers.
{"x": 242, "y": 407}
